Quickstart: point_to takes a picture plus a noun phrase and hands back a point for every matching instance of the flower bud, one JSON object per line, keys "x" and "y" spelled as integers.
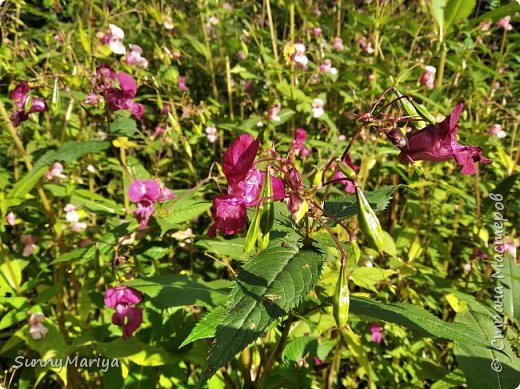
{"x": 368, "y": 222}
{"x": 396, "y": 136}
{"x": 341, "y": 299}
{"x": 55, "y": 101}
{"x": 267, "y": 207}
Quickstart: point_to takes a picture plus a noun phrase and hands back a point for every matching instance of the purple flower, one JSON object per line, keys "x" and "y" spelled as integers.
{"x": 19, "y": 96}
{"x": 244, "y": 186}
{"x": 123, "y": 299}
{"x": 437, "y": 142}
{"x": 377, "y": 335}
{"x": 300, "y": 136}
{"x": 146, "y": 193}
{"x": 182, "y": 84}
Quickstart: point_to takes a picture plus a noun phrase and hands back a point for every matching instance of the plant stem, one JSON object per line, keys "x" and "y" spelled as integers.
{"x": 279, "y": 346}
{"x": 442, "y": 62}
{"x": 273, "y": 36}
{"x": 211, "y": 65}
{"x": 229, "y": 90}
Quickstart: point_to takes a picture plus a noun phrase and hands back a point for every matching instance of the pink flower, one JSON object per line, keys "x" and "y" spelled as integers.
{"x": 29, "y": 242}
{"x": 114, "y": 39}
{"x": 341, "y": 177}
{"x": 467, "y": 267}
{"x": 316, "y": 32}
{"x": 146, "y": 193}
{"x": 20, "y": 97}
{"x": 123, "y": 299}
{"x": 274, "y": 113}
{"x": 10, "y": 218}
{"x": 317, "y": 107}
{"x": 55, "y": 173}
{"x": 365, "y": 45}
{"x": 505, "y": 23}
{"x": 71, "y": 216}
{"x": 428, "y": 77}
{"x": 92, "y": 99}
{"x": 36, "y": 329}
{"x": 337, "y": 45}
{"x": 300, "y": 135}
{"x": 212, "y": 134}
{"x": 326, "y": 67}
{"x": 377, "y": 335}
{"x": 78, "y": 226}
{"x": 437, "y": 142}
{"x": 496, "y": 130}
{"x": 182, "y": 84}
{"x": 134, "y": 57}
{"x": 485, "y": 25}
{"x": 299, "y": 57}
{"x": 244, "y": 187}
{"x": 158, "y": 131}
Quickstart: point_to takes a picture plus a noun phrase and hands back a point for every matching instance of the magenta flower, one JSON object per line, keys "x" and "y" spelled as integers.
{"x": 116, "y": 98}
{"x": 377, "y": 335}
{"x": 146, "y": 193}
{"x": 505, "y": 23}
{"x": 182, "y": 84}
{"x": 297, "y": 147}
{"x": 339, "y": 175}
{"x": 123, "y": 299}
{"x": 437, "y": 142}
{"x": 244, "y": 187}
{"x": 20, "y": 96}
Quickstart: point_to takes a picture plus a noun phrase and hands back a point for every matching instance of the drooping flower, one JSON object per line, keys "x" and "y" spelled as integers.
{"x": 317, "y": 107}
{"x": 326, "y": 67}
{"x": 55, "y": 173}
{"x": 29, "y": 243}
{"x": 341, "y": 177}
{"x": 274, "y": 113}
{"x": 316, "y": 32}
{"x": 127, "y": 316}
{"x": 36, "y": 329}
{"x": 10, "y": 218}
{"x": 365, "y": 45}
{"x": 181, "y": 83}
{"x": 505, "y": 23}
{"x": 211, "y": 133}
{"x": 244, "y": 187}
{"x": 20, "y": 97}
{"x": 337, "y": 45}
{"x": 377, "y": 335}
{"x": 145, "y": 193}
{"x": 299, "y": 57}
{"x": 496, "y": 130}
{"x": 437, "y": 142}
{"x": 114, "y": 39}
{"x": 123, "y": 97}
{"x": 428, "y": 77}
{"x": 297, "y": 147}
{"x": 134, "y": 57}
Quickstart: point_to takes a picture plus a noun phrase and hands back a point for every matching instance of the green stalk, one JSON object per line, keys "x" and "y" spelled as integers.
{"x": 229, "y": 90}
{"x": 440, "y": 70}
{"x": 211, "y": 65}
{"x": 273, "y": 36}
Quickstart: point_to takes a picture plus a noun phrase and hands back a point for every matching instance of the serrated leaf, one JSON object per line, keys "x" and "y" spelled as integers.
{"x": 123, "y": 126}
{"x": 476, "y": 361}
{"x": 71, "y": 151}
{"x": 268, "y": 287}
{"x": 346, "y": 207}
{"x": 417, "y": 319}
{"x": 206, "y": 327}
{"x": 176, "y": 290}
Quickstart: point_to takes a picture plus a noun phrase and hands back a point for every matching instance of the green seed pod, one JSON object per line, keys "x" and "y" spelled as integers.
{"x": 55, "y": 100}
{"x": 253, "y": 233}
{"x": 410, "y": 110}
{"x": 341, "y": 299}
{"x": 262, "y": 242}
{"x": 347, "y": 171}
{"x": 369, "y": 223}
{"x": 424, "y": 113}
{"x": 357, "y": 251}
{"x": 267, "y": 207}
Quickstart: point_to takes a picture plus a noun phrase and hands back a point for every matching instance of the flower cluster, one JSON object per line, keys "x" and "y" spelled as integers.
{"x": 145, "y": 193}
{"x": 127, "y": 315}
{"x": 26, "y": 104}
{"x": 437, "y": 142}
{"x": 244, "y": 187}
{"x": 115, "y": 98}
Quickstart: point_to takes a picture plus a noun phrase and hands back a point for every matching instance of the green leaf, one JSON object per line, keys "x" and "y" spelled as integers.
{"x": 511, "y": 284}
{"x": 268, "y": 287}
{"x": 136, "y": 351}
{"x": 496, "y": 14}
{"x": 417, "y": 319}
{"x": 176, "y": 290}
{"x": 346, "y": 207}
{"x": 231, "y": 248}
{"x": 476, "y": 361}
{"x": 71, "y": 151}
{"x": 95, "y": 202}
{"x": 437, "y": 9}
{"x": 207, "y": 327}
{"x": 171, "y": 215}
{"x": 368, "y": 277}
{"x": 503, "y": 188}
{"x": 24, "y": 186}
{"x": 457, "y": 10}
{"x": 123, "y": 126}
